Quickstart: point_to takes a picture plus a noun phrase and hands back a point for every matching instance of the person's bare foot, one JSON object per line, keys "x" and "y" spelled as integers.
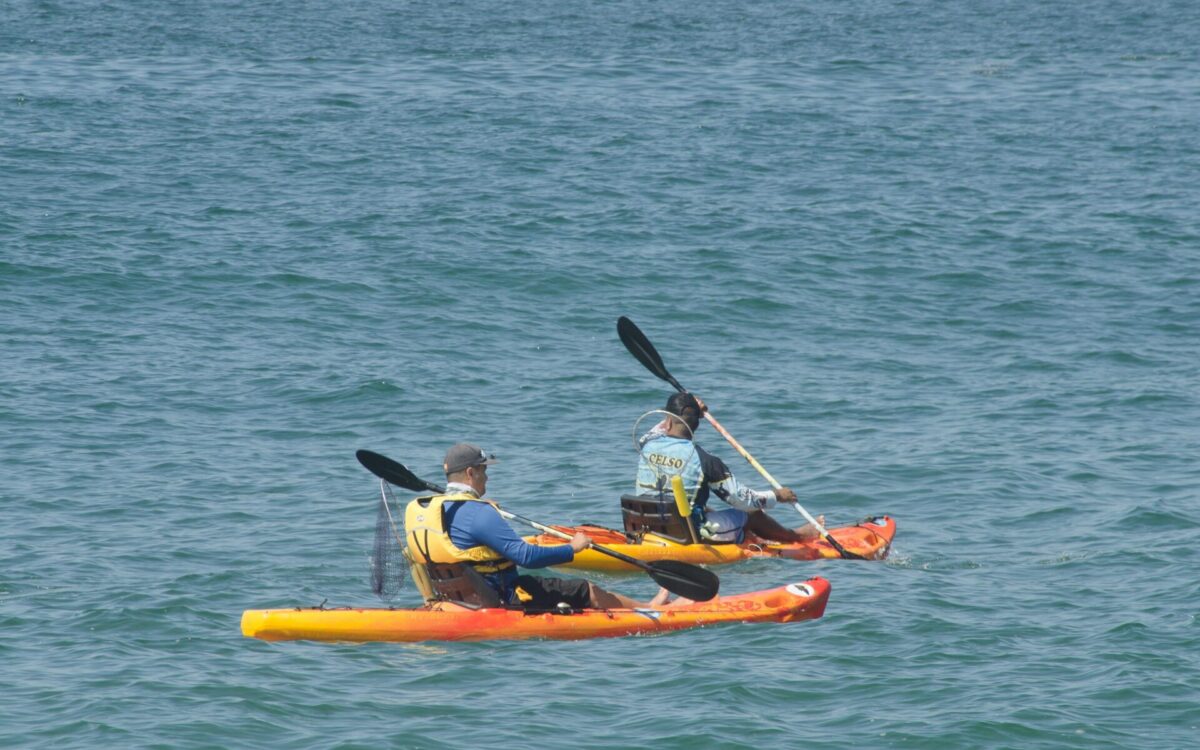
{"x": 660, "y": 599}
{"x": 680, "y": 602}
{"x": 663, "y": 600}
{"x": 808, "y": 532}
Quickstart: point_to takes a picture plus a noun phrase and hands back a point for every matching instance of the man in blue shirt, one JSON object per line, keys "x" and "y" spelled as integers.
{"x": 478, "y": 533}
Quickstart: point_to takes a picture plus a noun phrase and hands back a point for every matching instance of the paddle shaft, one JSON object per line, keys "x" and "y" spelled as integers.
{"x": 765, "y": 474}
{"x": 568, "y": 537}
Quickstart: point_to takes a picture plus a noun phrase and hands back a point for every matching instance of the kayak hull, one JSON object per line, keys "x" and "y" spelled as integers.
{"x": 449, "y": 622}
{"x": 871, "y": 539}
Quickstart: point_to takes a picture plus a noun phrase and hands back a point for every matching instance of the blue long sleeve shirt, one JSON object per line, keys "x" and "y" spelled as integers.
{"x": 472, "y": 524}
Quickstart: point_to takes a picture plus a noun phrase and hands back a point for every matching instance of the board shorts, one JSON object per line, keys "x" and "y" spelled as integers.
{"x": 728, "y": 525}
{"x": 543, "y": 593}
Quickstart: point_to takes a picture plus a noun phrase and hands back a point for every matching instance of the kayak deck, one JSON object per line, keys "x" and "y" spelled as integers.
{"x": 870, "y": 538}
{"x": 452, "y": 622}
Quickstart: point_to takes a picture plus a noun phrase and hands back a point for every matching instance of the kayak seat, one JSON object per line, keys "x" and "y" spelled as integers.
{"x": 460, "y": 583}
{"x": 643, "y": 514}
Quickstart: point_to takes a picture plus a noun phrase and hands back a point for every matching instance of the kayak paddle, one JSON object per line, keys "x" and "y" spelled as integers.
{"x": 643, "y": 351}
{"x": 681, "y": 579}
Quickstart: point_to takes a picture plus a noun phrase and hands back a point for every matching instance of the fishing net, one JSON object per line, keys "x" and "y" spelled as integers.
{"x": 389, "y": 566}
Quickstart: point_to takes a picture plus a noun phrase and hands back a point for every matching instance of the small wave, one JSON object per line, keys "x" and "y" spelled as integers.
{"x": 367, "y": 390}
{"x": 226, "y": 211}
{"x": 897, "y": 559}
{"x": 971, "y": 279}
{"x": 1120, "y": 357}
{"x": 1067, "y": 557}
{"x": 1160, "y": 516}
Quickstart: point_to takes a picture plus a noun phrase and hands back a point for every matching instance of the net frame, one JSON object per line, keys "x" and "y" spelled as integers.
{"x": 389, "y": 565}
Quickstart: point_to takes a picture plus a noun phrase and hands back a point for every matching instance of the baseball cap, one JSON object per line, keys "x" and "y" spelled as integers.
{"x": 463, "y": 455}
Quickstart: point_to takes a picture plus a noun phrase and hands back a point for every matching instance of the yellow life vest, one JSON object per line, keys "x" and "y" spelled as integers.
{"x": 429, "y": 539}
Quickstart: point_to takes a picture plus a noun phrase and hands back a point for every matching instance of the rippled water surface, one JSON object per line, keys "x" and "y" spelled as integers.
{"x": 933, "y": 260}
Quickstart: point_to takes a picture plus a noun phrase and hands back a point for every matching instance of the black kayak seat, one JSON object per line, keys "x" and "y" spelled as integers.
{"x": 651, "y": 514}
{"x": 460, "y": 583}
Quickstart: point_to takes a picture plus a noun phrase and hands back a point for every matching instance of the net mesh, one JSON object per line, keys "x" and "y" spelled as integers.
{"x": 389, "y": 567}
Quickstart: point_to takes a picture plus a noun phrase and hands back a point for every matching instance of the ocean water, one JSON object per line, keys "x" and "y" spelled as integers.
{"x": 934, "y": 260}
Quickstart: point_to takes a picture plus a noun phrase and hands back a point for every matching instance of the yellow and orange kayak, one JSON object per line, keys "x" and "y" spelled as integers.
{"x": 451, "y": 622}
{"x": 870, "y": 538}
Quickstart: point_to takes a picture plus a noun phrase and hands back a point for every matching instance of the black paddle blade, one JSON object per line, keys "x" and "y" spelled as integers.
{"x": 393, "y": 472}
{"x": 684, "y": 579}
{"x": 643, "y": 351}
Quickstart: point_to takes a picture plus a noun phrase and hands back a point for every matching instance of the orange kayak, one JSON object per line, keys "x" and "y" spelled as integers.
{"x": 871, "y": 538}
{"x": 451, "y": 622}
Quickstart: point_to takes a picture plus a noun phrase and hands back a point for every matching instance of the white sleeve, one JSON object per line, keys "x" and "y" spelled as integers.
{"x": 741, "y": 497}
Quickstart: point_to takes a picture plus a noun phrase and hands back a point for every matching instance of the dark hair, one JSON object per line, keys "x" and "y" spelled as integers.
{"x": 685, "y": 406}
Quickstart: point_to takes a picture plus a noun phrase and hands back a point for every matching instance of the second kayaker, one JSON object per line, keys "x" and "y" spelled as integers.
{"x": 669, "y": 449}
{"x": 459, "y": 526}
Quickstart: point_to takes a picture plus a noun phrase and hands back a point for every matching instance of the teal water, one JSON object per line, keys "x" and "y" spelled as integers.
{"x": 938, "y": 261}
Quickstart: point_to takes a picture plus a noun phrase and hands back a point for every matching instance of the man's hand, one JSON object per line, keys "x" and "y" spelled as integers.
{"x": 582, "y": 541}
{"x": 785, "y": 495}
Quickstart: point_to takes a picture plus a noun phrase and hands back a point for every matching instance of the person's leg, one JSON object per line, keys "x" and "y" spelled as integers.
{"x": 603, "y": 599}
{"x": 765, "y": 527}
{"x": 544, "y": 593}
{"x": 663, "y": 600}
{"x": 808, "y": 531}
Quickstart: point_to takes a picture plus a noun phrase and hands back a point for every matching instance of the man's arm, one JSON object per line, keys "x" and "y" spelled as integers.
{"x": 490, "y": 530}
{"x": 725, "y": 486}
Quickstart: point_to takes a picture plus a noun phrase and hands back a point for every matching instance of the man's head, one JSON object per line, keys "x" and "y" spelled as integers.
{"x": 685, "y": 406}
{"x": 468, "y": 464}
